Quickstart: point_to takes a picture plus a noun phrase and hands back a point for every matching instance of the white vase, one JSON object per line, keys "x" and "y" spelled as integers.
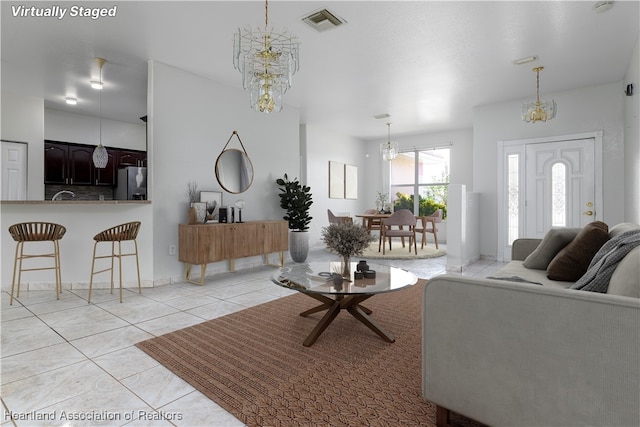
{"x": 298, "y": 245}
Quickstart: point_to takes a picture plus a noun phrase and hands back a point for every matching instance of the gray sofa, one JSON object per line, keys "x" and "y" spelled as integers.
{"x": 515, "y": 353}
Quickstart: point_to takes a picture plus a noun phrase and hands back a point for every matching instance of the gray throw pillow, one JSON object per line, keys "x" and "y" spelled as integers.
{"x": 552, "y": 243}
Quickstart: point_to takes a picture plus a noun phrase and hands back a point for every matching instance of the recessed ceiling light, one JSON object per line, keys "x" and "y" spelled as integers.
{"x": 96, "y": 84}
{"x": 602, "y": 6}
{"x": 70, "y": 100}
{"x": 525, "y": 60}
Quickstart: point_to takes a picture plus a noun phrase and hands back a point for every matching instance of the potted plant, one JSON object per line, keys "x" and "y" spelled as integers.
{"x": 295, "y": 199}
{"x": 347, "y": 239}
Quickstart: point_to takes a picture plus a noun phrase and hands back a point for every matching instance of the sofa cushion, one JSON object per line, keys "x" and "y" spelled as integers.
{"x": 573, "y": 260}
{"x": 620, "y": 228}
{"x": 626, "y": 277}
{"x": 552, "y": 243}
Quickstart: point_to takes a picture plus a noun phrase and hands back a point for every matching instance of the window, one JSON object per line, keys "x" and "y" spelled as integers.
{"x": 513, "y": 197}
{"x": 558, "y": 195}
{"x": 419, "y": 181}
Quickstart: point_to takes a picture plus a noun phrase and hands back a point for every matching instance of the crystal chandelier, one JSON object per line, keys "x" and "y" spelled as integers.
{"x": 267, "y": 62}
{"x": 100, "y": 155}
{"x": 538, "y": 111}
{"x": 389, "y": 150}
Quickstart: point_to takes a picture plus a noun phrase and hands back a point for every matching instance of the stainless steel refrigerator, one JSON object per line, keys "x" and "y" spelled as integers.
{"x": 132, "y": 183}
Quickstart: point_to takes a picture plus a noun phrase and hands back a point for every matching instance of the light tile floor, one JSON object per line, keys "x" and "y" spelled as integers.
{"x": 75, "y": 364}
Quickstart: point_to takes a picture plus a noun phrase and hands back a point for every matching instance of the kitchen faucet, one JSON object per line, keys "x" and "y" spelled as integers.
{"x": 58, "y": 195}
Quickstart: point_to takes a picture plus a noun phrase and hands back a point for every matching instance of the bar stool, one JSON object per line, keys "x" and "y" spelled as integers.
{"x": 119, "y": 233}
{"x": 36, "y": 232}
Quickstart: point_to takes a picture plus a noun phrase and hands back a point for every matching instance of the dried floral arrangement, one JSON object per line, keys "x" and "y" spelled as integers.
{"x": 192, "y": 192}
{"x": 346, "y": 238}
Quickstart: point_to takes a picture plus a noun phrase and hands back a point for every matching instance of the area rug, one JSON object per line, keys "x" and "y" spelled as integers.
{"x": 398, "y": 252}
{"x": 253, "y": 364}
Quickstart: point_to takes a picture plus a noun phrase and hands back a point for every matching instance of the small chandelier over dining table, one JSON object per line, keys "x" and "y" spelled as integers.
{"x": 538, "y": 111}
{"x": 389, "y": 149}
{"x": 267, "y": 61}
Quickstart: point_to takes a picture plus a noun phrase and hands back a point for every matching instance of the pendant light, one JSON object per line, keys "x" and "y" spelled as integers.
{"x": 538, "y": 111}
{"x": 100, "y": 155}
{"x": 389, "y": 150}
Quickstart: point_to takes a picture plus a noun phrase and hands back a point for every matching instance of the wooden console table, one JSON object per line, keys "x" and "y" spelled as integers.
{"x": 202, "y": 244}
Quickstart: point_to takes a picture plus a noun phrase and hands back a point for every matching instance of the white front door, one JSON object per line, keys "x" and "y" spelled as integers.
{"x": 14, "y": 170}
{"x": 547, "y": 182}
{"x": 560, "y": 185}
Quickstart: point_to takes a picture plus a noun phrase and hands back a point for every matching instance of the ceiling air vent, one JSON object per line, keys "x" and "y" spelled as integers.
{"x": 323, "y": 20}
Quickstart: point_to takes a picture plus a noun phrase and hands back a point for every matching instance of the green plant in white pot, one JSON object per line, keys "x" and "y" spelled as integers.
{"x": 295, "y": 199}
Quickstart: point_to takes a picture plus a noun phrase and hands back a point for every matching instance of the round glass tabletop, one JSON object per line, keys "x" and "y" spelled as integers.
{"x": 316, "y": 278}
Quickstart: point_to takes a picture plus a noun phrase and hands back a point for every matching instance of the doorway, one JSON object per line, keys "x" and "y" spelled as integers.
{"x": 14, "y": 170}
{"x": 545, "y": 183}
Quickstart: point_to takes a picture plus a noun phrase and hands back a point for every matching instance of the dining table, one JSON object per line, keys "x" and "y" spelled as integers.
{"x": 369, "y": 219}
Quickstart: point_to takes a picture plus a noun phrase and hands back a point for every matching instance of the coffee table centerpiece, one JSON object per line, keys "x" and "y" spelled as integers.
{"x": 347, "y": 239}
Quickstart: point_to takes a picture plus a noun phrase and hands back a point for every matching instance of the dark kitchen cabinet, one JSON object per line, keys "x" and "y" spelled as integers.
{"x": 131, "y": 158}
{"x": 68, "y": 164}
{"x": 56, "y": 163}
{"x": 81, "y": 169}
{"x": 72, "y": 164}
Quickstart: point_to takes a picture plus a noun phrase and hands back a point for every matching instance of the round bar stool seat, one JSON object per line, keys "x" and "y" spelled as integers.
{"x": 36, "y": 232}
{"x": 119, "y": 233}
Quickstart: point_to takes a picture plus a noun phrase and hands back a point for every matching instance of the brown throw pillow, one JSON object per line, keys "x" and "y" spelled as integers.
{"x": 573, "y": 260}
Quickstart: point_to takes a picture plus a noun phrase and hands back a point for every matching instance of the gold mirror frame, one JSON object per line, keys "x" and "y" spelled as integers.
{"x": 234, "y": 170}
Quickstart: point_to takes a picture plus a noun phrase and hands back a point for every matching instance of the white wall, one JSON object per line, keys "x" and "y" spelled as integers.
{"x": 82, "y": 129}
{"x": 22, "y": 120}
{"x": 583, "y": 110}
{"x": 632, "y": 140}
{"x": 190, "y": 120}
{"x": 322, "y": 146}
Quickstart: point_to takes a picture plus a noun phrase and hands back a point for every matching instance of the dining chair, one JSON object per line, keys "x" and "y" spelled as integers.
{"x": 337, "y": 219}
{"x": 400, "y": 218}
{"x": 427, "y": 224}
{"x": 36, "y": 232}
{"x": 372, "y": 223}
{"x": 119, "y": 233}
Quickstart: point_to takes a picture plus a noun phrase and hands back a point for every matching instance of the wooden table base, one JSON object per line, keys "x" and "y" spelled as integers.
{"x": 350, "y": 303}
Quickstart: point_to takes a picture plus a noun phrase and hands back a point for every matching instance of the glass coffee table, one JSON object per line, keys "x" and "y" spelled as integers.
{"x": 315, "y": 280}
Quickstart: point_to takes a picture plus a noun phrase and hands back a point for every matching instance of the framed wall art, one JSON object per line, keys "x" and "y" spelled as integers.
{"x": 336, "y": 180}
{"x": 213, "y": 199}
{"x": 350, "y": 182}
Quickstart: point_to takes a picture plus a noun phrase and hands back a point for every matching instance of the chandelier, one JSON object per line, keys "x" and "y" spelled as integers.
{"x": 267, "y": 62}
{"x": 538, "y": 111}
{"x": 100, "y": 155}
{"x": 389, "y": 150}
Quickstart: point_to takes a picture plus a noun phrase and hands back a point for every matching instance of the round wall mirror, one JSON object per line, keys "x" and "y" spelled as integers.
{"x": 234, "y": 171}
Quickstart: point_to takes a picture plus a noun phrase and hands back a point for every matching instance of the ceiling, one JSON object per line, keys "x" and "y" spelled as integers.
{"x": 425, "y": 63}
